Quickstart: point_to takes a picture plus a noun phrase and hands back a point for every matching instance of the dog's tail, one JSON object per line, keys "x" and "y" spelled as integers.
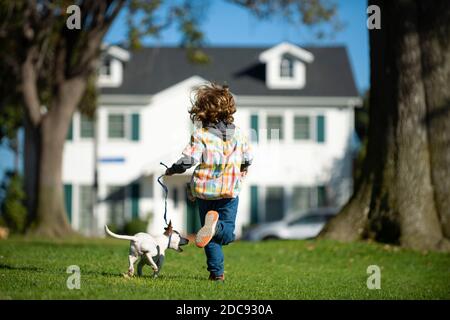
{"x": 118, "y": 236}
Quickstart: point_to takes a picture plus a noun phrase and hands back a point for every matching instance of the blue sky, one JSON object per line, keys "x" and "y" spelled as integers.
{"x": 227, "y": 24}
{"x": 230, "y": 25}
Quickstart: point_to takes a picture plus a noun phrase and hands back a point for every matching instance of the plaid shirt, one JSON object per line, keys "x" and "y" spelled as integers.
{"x": 219, "y": 173}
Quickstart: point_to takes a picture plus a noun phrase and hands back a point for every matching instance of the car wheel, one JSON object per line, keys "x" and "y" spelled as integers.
{"x": 270, "y": 237}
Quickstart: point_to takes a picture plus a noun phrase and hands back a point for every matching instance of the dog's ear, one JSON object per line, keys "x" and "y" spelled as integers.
{"x": 168, "y": 229}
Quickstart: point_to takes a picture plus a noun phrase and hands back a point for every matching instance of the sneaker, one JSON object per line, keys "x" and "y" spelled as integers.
{"x": 206, "y": 233}
{"x": 216, "y": 278}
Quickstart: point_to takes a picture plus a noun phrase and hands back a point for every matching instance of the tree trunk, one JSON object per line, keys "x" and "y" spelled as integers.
{"x": 395, "y": 202}
{"x": 51, "y": 218}
{"x": 436, "y": 76}
{"x": 31, "y": 166}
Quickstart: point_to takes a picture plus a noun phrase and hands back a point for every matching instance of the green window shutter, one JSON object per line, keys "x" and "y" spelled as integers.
{"x": 255, "y": 127}
{"x": 70, "y": 131}
{"x": 254, "y": 212}
{"x": 68, "y": 200}
{"x": 135, "y": 124}
{"x": 320, "y": 121}
{"x": 135, "y": 195}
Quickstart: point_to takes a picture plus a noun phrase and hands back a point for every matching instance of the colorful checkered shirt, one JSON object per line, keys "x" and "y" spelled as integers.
{"x": 218, "y": 174}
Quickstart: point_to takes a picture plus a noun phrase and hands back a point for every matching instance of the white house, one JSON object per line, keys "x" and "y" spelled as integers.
{"x": 305, "y": 97}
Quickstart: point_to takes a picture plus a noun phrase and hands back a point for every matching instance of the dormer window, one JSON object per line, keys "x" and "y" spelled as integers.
{"x": 111, "y": 67}
{"x": 287, "y": 68}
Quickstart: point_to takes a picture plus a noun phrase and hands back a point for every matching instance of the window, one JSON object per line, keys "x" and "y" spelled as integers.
{"x": 116, "y": 205}
{"x": 308, "y": 197}
{"x": 86, "y": 208}
{"x": 124, "y": 126}
{"x": 274, "y": 203}
{"x": 274, "y": 128}
{"x": 105, "y": 68}
{"x": 86, "y": 127}
{"x": 287, "y": 68}
{"x": 301, "y": 128}
{"x": 301, "y": 199}
{"x": 116, "y": 126}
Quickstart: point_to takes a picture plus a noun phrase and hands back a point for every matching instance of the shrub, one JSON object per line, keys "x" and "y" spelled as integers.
{"x": 134, "y": 226}
{"x": 14, "y": 213}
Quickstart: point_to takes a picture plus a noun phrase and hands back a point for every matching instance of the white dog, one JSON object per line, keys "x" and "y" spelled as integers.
{"x": 150, "y": 249}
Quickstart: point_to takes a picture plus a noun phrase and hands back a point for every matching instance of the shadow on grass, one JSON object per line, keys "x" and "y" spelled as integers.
{"x": 168, "y": 277}
{"x": 9, "y": 267}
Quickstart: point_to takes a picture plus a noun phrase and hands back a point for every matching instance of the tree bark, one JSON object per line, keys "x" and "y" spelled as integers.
{"x": 31, "y": 157}
{"x": 396, "y": 201}
{"x": 436, "y": 77}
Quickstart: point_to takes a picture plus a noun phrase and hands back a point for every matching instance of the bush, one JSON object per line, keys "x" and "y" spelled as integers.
{"x": 14, "y": 213}
{"x": 134, "y": 226}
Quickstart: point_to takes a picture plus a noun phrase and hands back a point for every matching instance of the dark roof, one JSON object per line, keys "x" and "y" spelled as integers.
{"x": 151, "y": 70}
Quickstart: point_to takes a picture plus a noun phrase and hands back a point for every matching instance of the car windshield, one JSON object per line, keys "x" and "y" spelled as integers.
{"x": 309, "y": 219}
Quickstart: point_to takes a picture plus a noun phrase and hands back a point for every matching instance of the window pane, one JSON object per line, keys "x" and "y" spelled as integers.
{"x": 286, "y": 68}
{"x": 105, "y": 68}
{"x": 116, "y": 205}
{"x": 116, "y": 126}
{"x": 311, "y": 219}
{"x": 274, "y": 203}
{"x": 301, "y": 199}
{"x": 274, "y": 127}
{"x": 301, "y": 128}
{"x": 86, "y": 208}
{"x": 87, "y": 127}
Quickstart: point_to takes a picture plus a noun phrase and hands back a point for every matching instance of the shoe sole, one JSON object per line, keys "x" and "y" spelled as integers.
{"x": 206, "y": 233}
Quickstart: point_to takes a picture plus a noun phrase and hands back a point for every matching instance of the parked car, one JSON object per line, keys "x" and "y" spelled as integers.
{"x": 300, "y": 226}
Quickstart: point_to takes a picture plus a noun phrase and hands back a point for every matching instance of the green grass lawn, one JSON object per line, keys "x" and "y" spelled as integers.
{"x": 268, "y": 270}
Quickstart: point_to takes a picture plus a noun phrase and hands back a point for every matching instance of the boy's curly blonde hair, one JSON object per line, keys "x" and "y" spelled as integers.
{"x": 213, "y": 103}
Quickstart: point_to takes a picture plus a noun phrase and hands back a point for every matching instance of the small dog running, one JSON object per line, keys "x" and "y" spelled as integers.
{"x": 150, "y": 249}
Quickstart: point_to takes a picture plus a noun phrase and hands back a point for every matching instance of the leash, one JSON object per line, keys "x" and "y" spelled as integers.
{"x": 166, "y": 191}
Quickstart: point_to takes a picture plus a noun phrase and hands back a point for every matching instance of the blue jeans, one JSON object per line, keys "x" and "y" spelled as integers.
{"x": 227, "y": 209}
